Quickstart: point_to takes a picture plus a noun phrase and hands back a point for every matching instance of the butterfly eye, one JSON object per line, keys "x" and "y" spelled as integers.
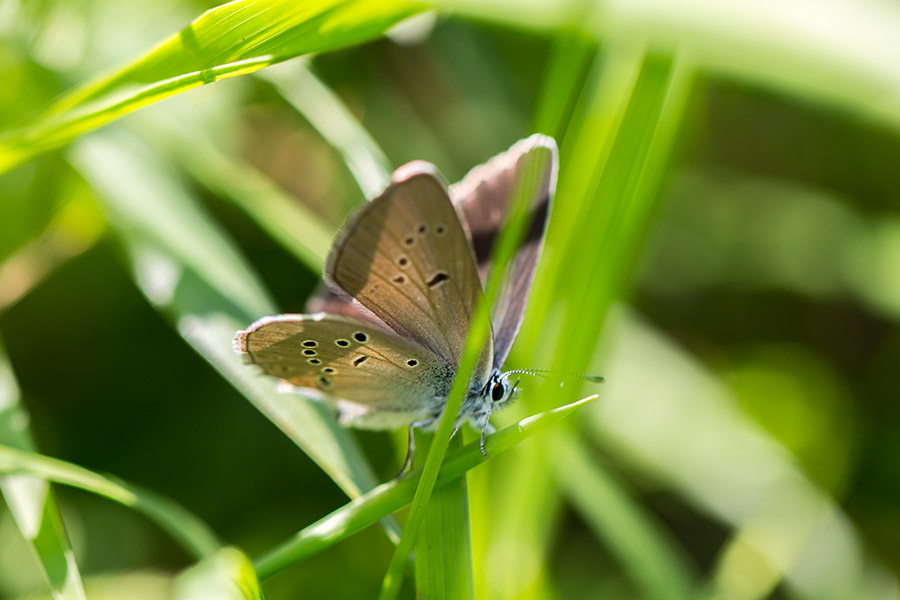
{"x": 497, "y": 392}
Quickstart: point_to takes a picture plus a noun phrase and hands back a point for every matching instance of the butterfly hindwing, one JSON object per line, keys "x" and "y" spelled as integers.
{"x": 483, "y": 198}
{"x": 406, "y": 257}
{"x": 375, "y": 378}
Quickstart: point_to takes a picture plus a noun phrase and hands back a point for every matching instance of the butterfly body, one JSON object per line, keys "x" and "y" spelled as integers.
{"x": 404, "y": 276}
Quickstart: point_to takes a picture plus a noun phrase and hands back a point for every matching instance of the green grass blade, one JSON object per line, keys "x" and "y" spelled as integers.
{"x": 530, "y": 174}
{"x": 185, "y": 528}
{"x": 226, "y": 575}
{"x": 569, "y": 65}
{"x": 233, "y": 39}
{"x": 31, "y": 500}
{"x": 443, "y": 563}
{"x": 188, "y": 269}
{"x": 618, "y": 147}
{"x": 394, "y": 495}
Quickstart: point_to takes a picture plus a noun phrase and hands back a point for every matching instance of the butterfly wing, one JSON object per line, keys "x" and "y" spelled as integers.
{"x": 406, "y": 257}
{"x": 327, "y": 299}
{"x": 483, "y": 197}
{"x": 376, "y": 379}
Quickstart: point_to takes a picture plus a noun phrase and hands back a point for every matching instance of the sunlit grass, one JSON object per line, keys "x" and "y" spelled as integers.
{"x": 755, "y": 442}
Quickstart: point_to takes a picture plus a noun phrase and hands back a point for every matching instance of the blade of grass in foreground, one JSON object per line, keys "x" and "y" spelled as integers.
{"x": 394, "y": 495}
{"x": 529, "y": 475}
{"x": 605, "y": 199}
{"x": 188, "y": 269}
{"x": 443, "y": 564}
{"x": 31, "y": 501}
{"x": 185, "y": 528}
{"x": 233, "y": 39}
{"x": 532, "y": 172}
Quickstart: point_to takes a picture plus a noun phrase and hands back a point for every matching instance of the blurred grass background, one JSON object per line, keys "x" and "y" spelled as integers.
{"x": 727, "y": 191}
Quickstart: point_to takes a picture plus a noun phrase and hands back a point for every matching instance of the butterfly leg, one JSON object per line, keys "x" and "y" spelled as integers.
{"x": 410, "y": 449}
{"x": 485, "y": 429}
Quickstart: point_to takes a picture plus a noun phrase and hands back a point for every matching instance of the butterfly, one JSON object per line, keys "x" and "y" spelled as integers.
{"x": 383, "y": 341}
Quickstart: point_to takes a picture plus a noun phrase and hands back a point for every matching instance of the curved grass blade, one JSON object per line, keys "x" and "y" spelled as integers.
{"x": 236, "y": 38}
{"x": 394, "y": 495}
{"x": 185, "y": 528}
{"x": 225, "y": 575}
{"x": 31, "y": 500}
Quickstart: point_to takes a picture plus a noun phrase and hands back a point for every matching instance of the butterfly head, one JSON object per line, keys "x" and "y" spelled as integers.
{"x": 500, "y": 390}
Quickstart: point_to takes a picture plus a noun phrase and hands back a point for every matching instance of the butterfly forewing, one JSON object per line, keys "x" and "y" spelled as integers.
{"x": 483, "y": 198}
{"x": 377, "y": 379}
{"x": 406, "y": 257}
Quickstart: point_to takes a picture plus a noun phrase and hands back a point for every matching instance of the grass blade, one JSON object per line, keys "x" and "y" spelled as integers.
{"x": 31, "y": 500}
{"x": 443, "y": 551}
{"x": 394, "y": 495}
{"x": 185, "y": 528}
{"x": 616, "y": 152}
{"x": 530, "y": 175}
{"x": 236, "y": 38}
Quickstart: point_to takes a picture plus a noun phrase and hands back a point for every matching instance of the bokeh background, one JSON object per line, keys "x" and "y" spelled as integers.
{"x": 728, "y": 211}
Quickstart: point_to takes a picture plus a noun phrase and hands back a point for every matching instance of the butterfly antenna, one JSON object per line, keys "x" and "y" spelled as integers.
{"x": 545, "y": 372}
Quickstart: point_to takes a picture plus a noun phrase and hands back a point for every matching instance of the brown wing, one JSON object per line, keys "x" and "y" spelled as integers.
{"x": 483, "y": 197}
{"x": 379, "y": 380}
{"x": 405, "y": 257}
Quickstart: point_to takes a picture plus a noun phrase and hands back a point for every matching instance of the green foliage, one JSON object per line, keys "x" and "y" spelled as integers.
{"x": 727, "y": 172}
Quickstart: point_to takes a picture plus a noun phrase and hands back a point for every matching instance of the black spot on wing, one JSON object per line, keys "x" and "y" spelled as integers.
{"x": 438, "y": 278}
